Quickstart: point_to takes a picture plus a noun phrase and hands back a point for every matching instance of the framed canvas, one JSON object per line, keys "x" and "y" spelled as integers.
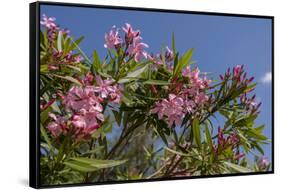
{"x": 121, "y": 94}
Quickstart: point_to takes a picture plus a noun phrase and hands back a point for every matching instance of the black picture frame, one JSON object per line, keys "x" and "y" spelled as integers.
{"x": 34, "y": 91}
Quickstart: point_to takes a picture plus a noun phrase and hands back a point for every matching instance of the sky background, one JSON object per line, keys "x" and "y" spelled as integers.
{"x": 219, "y": 42}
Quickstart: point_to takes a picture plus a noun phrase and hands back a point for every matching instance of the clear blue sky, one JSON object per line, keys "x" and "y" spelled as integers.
{"x": 219, "y": 41}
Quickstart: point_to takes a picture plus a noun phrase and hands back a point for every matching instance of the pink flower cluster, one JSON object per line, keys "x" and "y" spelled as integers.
{"x": 158, "y": 59}
{"x": 60, "y": 59}
{"x": 238, "y": 75}
{"x": 107, "y": 89}
{"x": 85, "y": 107}
{"x": 263, "y": 162}
{"x": 112, "y": 38}
{"x": 231, "y": 141}
{"x": 57, "y": 57}
{"x": 250, "y": 103}
{"x": 172, "y": 108}
{"x": 48, "y": 22}
{"x": 133, "y": 45}
{"x": 58, "y": 125}
{"x": 184, "y": 98}
{"x": 239, "y": 79}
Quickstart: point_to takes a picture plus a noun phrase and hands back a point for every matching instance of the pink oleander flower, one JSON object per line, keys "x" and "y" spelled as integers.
{"x": 172, "y": 109}
{"x": 190, "y": 106}
{"x": 155, "y": 59}
{"x": 136, "y": 49}
{"x": 169, "y": 55}
{"x": 86, "y": 110}
{"x": 130, "y": 34}
{"x": 237, "y": 70}
{"x": 79, "y": 99}
{"x": 195, "y": 79}
{"x": 112, "y": 39}
{"x": 263, "y": 162}
{"x": 65, "y": 31}
{"x": 186, "y": 72}
{"x": 48, "y": 22}
{"x": 89, "y": 78}
{"x": 78, "y": 59}
{"x": 57, "y": 126}
{"x": 106, "y": 89}
{"x": 232, "y": 140}
{"x": 87, "y": 122}
{"x": 201, "y": 99}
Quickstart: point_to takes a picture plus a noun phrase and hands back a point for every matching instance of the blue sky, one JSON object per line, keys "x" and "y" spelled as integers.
{"x": 219, "y": 41}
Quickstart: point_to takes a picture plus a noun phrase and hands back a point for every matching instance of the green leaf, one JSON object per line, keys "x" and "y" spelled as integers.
{"x": 59, "y": 41}
{"x": 156, "y": 82}
{"x": 237, "y": 168}
{"x": 176, "y": 152}
{"x": 74, "y": 68}
{"x": 45, "y": 136}
{"x": 96, "y": 66}
{"x": 101, "y": 164}
{"x": 176, "y": 61}
{"x": 69, "y": 78}
{"x": 82, "y": 167}
{"x": 258, "y": 147}
{"x": 90, "y": 152}
{"x": 196, "y": 131}
{"x": 208, "y": 137}
{"x": 173, "y": 43}
{"x": 44, "y": 115}
{"x": 134, "y": 74}
{"x": 251, "y": 87}
{"x": 88, "y": 61}
{"x": 75, "y": 43}
{"x": 44, "y": 68}
{"x": 183, "y": 61}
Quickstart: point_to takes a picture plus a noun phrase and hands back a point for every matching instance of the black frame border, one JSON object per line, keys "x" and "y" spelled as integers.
{"x": 34, "y": 91}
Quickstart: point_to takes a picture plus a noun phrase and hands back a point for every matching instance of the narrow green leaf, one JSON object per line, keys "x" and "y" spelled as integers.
{"x": 173, "y": 43}
{"x": 44, "y": 115}
{"x": 96, "y": 62}
{"x": 176, "y": 152}
{"x": 196, "y": 131}
{"x": 237, "y": 168}
{"x": 183, "y": 61}
{"x": 82, "y": 167}
{"x": 74, "y": 68}
{"x": 45, "y": 136}
{"x": 75, "y": 43}
{"x": 88, "y": 61}
{"x": 59, "y": 41}
{"x": 96, "y": 150}
{"x": 134, "y": 74}
{"x": 208, "y": 137}
{"x": 250, "y": 87}
{"x": 69, "y": 78}
{"x": 101, "y": 164}
{"x": 156, "y": 82}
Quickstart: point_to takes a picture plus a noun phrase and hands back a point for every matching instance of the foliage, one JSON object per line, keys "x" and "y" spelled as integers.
{"x": 134, "y": 115}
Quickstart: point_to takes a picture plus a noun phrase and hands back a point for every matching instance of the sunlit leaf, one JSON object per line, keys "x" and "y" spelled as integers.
{"x": 69, "y": 78}
{"x": 196, "y": 132}
{"x": 237, "y": 168}
{"x": 134, "y": 74}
